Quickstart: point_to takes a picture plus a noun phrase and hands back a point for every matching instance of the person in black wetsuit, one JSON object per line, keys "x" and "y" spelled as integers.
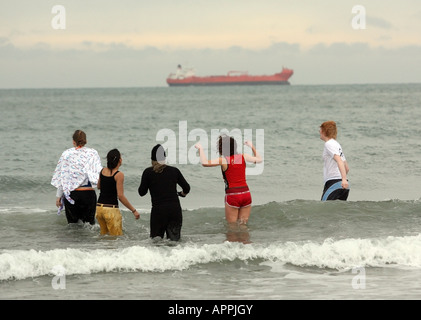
{"x": 161, "y": 180}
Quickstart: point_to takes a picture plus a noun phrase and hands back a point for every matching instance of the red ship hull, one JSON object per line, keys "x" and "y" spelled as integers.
{"x": 280, "y": 78}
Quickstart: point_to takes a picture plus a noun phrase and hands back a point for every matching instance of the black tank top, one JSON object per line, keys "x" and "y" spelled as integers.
{"x": 108, "y": 194}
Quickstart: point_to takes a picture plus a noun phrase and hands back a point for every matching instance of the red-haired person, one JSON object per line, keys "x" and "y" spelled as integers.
{"x": 335, "y": 168}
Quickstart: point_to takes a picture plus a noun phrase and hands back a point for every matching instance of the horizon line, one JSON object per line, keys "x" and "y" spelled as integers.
{"x": 166, "y": 86}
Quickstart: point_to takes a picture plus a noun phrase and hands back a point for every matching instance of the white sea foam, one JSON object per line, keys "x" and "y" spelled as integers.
{"x": 346, "y": 254}
{"x": 401, "y": 252}
{"x": 24, "y": 210}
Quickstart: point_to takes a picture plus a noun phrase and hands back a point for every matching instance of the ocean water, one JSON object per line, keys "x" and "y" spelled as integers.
{"x": 295, "y": 246}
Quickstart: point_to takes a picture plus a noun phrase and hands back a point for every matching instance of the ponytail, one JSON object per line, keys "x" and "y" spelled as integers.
{"x": 113, "y": 157}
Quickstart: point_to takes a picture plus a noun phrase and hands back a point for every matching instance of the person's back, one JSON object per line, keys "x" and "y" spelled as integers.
{"x": 235, "y": 174}
{"x": 163, "y": 186}
{"x": 75, "y": 178}
{"x": 237, "y": 194}
{"x": 161, "y": 180}
{"x": 111, "y": 186}
{"x": 108, "y": 194}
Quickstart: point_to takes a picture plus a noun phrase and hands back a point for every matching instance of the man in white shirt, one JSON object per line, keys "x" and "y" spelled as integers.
{"x": 335, "y": 167}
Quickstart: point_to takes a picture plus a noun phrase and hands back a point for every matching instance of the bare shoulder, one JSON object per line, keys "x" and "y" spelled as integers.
{"x": 119, "y": 176}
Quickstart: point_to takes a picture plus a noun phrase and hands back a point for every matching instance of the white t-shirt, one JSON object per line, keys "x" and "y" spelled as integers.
{"x": 330, "y": 168}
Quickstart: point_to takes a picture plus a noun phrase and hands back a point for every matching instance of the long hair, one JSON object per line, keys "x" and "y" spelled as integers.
{"x": 158, "y": 156}
{"x": 227, "y": 146}
{"x": 158, "y": 167}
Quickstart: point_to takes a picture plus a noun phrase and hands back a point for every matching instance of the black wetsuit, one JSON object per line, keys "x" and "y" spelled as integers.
{"x": 166, "y": 213}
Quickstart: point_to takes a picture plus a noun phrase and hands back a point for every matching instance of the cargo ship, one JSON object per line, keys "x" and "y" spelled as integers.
{"x": 187, "y": 77}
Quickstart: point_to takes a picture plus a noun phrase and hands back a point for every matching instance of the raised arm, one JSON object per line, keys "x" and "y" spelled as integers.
{"x": 204, "y": 160}
{"x": 255, "y": 158}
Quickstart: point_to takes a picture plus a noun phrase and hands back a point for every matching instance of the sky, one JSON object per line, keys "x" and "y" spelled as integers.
{"x": 137, "y": 43}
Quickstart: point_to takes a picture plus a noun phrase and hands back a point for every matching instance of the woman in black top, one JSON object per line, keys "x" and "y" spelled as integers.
{"x": 161, "y": 180}
{"x": 111, "y": 184}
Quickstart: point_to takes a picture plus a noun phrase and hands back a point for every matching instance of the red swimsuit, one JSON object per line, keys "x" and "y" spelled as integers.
{"x": 237, "y": 193}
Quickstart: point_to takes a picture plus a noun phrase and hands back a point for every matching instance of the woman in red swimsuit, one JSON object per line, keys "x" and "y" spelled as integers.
{"x": 233, "y": 165}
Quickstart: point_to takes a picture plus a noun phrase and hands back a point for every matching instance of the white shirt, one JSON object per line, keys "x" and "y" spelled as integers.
{"x": 330, "y": 168}
{"x": 75, "y": 168}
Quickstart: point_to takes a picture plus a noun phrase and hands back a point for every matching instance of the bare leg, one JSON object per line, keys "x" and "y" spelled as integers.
{"x": 231, "y": 214}
{"x": 244, "y": 215}
{"x": 237, "y": 215}
{"x": 237, "y": 220}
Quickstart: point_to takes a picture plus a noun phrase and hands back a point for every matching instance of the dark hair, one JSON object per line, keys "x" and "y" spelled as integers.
{"x": 158, "y": 156}
{"x": 113, "y": 157}
{"x": 158, "y": 153}
{"x": 227, "y": 146}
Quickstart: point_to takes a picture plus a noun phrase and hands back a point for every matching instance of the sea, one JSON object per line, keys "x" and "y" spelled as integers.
{"x": 295, "y": 246}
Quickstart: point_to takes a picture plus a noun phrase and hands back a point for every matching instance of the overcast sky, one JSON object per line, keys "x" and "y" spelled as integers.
{"x": 138, "y": 43}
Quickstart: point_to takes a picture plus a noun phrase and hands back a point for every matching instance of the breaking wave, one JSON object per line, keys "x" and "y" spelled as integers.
{"x": 340, "y": 255}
